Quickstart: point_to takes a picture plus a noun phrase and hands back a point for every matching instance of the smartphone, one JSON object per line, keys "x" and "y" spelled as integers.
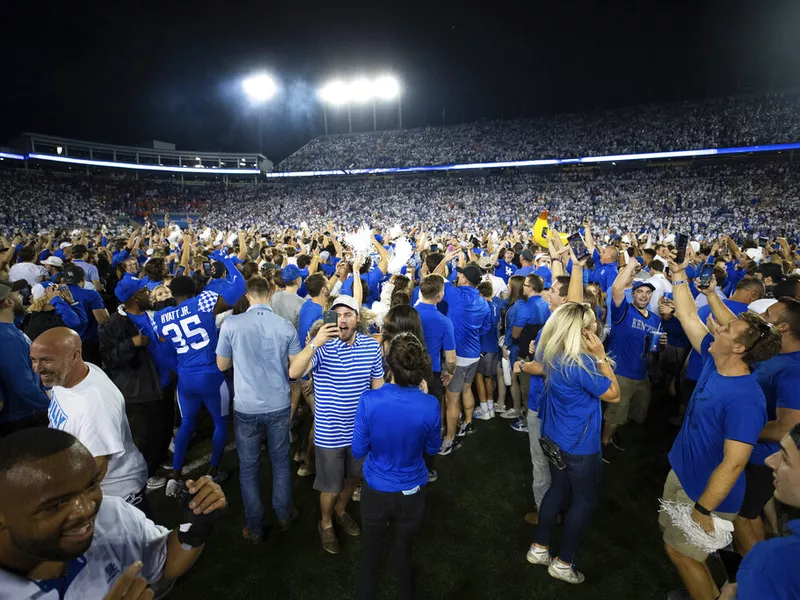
{"x": 763, "y": 241}
{"x": 681, "y": 242}
{"x": 180, "y": 271}
{"x": 207, "y": 269}
{"x": 330, "y": 317}
{"x": 706, "y": 273}
{"x": 578, "y": 246}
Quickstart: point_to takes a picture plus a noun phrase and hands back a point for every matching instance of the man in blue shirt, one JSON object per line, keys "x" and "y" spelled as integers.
{"x": 526, "y": 260}
{"x": 490, "y": 356}
{"x": 191, "y": 329}
{"x": 505, "y": 267}
{"x": 438, "y": 332}
{"x": 92, "y": 275}
{"x": 632, "y": 327}
{"x": 260, "y": 345}
{"x": 779, "y": 378}
{"x": 723, "y": 421}
{"x": 344, "y": 364}
{"x": 471, "y": 318}
{"x": 22, "y": 401}
{"x": 93, "y": 306}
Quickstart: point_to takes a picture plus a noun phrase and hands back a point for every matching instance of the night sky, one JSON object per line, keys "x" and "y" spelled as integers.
{"x": 129, "y": 72}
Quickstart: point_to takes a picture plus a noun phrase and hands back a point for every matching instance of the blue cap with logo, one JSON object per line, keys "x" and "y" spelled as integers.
{"x": 290, "y": 273}
{"x": 128, "y": 287}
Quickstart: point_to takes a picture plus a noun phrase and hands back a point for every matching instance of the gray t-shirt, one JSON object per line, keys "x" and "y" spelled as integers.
{"x": 287, "y": 305}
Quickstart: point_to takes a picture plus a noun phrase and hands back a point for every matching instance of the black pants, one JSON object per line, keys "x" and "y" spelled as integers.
{"x": 151, "y": 428}
{"x": 377, "y": 510}
{"x": 38, "y": 419}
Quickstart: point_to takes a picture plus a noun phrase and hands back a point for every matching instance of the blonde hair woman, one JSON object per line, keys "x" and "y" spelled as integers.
{"x": 578, "y": 376}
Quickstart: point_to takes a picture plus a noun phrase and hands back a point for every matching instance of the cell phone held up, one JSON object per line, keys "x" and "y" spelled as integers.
{"x": 704, "y": 278}
{"x": 681, "y": 242}
{"x": 578, "y": 246}
{"x": 330, "y": 317}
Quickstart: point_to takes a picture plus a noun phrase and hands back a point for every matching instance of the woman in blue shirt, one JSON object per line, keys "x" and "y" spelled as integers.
{"x": 394, "y": 425}
{"x": 578, "y": 375}
{"x": 769, "y": 571}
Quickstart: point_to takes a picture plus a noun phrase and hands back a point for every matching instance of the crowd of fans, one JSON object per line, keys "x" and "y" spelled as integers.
{"x": 718, "y": 123}
{"x": 104, "y": 332}
{"x": 754, "y": 198}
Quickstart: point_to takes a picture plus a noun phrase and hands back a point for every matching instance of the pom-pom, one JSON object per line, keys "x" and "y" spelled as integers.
{"x": 400, "y": 255}
{"x": 680, "y": 513}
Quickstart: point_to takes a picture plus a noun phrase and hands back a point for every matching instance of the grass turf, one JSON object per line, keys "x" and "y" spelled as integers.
{"x": 472, "y": 541}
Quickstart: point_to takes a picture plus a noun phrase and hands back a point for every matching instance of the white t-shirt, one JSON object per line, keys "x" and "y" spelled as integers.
{"x": 94, "y": 412}
{"x": 499, "y": 286}
{"x": 662, "y": 286}
{"x": 122, "y": 535}
{"x": 30, "y": 272}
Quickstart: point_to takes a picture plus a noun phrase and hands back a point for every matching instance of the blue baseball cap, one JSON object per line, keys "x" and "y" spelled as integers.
{"x": 290, "y": 273}
{"x": 639, "y": 283}
{"x": 128, "y": 287}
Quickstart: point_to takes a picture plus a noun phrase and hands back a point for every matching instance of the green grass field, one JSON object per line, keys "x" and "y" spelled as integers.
{"x": 472, "y": 541}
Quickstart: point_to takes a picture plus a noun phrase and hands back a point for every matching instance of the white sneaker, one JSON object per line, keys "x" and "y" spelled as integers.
{"x": 153, "y": 483}
{"x": 479, "y": 413}
{"x": 174, "y": 488}
{"x": 511, "y": 414}
{"x": 538, "y": 556}
{"x": 492, "y": 414}
{"x": 568, "y": 573}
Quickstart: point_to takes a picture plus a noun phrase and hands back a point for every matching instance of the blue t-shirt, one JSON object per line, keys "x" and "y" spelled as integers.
{"x": 603, "y": 274}
{"x": 572, "y": 412}
{"x": 779, "y": 378}
{"x": 162, "y": 352}
{"x": 191, "y": 328}
{"x": 534, "y": 311}
{"x": 505, "y": 270}
{"x": 546, "y": 274}
{"x": 310, "y": 312}
{"x": 89, "y": 300}
{"x": 524, "y": 271}
{"x": 536, "y": 385}
{"x": 373, "y": 279}
{"x": 470, "y": 315}
{"x": 393, "y": 426}
{"x": 442, "y": 307}
{"x": 438, "y": 332}
{"x": 769, "y": 571}
{"x": 721, "y": 408}
{"x": 629, "y": 345}
{"x": 489, "y": 340}
{"x": 695, "y": 364}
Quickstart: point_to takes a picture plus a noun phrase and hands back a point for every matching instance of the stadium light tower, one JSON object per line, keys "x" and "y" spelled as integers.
{"x": 260, "y": 88}
{"x": 361, "y": 91}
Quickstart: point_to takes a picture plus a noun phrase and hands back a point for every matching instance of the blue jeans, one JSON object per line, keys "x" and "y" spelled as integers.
{"x": 250, "y": 429}
{"x": 580, "y": 481}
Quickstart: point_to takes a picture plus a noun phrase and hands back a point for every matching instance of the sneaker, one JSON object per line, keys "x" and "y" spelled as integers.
{"x": 299, "y": 456}
{"x": 568, "y": 573}
{"x": 465, "y": 429}
{"x": 448, "y": 447}
{"x": 512, "y": 414}
{"x": 175, "y": 488}
{"x": 538, "y": 556}
{"x": 285, "y": 524}
{"x": 479, "y": 413}
{"x": 357, "y": 494}
{"x": 329, "y": 540}
{"x": 306, "y": 470}
{"x": 255, "y": 538}
{"x": 153, "y": 483}
{"x": 347, "y": 523}
{"x": 492, "y": 414}
{"x": 520, "y": 425}
{"x": 433, "y": 475}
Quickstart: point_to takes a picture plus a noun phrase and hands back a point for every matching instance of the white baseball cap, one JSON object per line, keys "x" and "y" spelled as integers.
{"x": 65, "y": 245}
{"x": 53, "y": 261}
{"x": 347, "y": 301}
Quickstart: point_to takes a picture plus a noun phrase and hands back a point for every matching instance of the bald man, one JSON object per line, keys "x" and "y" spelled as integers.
{"x": 62, "y": 539}
{"x": 87, "y": 404}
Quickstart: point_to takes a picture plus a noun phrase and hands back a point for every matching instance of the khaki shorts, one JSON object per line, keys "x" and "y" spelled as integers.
{"x": 634, "y": 398}
{"x": 674, "y": 537}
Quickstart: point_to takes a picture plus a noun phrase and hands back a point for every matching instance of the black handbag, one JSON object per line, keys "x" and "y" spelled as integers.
{"x": 551, "y": 449}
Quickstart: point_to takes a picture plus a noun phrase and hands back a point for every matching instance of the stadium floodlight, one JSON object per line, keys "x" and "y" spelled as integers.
{"x": 259, "y": 88}
{"x": 386, "y": 88}
{"x": 336, "y": 93}
{"x": 361, "y": 90}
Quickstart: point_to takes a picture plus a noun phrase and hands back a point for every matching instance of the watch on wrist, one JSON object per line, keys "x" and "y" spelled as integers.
{"x": 313, "y": 345}
{"x": 702, "y": 509}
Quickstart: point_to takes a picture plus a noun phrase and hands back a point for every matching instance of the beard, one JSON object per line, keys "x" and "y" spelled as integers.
{"x": 49, "y": 549}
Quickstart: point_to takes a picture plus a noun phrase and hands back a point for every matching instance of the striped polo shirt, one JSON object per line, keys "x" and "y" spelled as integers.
{"x": 341, "y": 374}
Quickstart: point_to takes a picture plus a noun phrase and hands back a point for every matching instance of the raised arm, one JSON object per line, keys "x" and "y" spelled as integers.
{"x": 383, "y": 265}
{"x": 587, "y": 236}
{"x": 685, "y": 307}
{"x": 624, "y": 277}
{"x": 575, "y": 291}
